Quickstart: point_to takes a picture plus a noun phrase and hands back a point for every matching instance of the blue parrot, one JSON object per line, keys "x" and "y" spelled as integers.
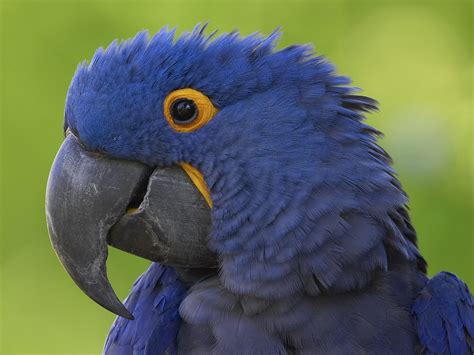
{"x": 247, "y": 174}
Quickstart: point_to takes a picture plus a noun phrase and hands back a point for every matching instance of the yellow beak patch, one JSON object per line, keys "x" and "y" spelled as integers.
{"x": 198, "y": 180}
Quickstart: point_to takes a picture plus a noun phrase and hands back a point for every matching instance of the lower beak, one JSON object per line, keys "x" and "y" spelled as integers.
{"x": 87, "y": 198}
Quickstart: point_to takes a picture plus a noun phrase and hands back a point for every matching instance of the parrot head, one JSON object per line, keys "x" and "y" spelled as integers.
{"x": 203, "y": 152}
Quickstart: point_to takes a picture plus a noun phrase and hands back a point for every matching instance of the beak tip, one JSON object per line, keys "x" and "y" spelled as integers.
{"x": 124, "y": 313}
{"x": 120, "y": 310}
{"x": 114, "y": 305}
{"x": 129, "y": 317}
{"x": 105, "y": 296}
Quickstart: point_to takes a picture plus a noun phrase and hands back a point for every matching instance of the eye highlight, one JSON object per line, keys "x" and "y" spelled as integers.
{"x": 187, "y": 109}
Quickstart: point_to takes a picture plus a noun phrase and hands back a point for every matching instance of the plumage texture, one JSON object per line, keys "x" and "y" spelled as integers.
{"x": 444, "y": 316}
{"x": 317, "y": 254}
{"x": 154, "y": 301}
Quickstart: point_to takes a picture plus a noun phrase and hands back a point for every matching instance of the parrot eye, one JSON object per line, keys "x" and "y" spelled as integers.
{"x": 187, "y": 109}
{"x": 183, "y": 111}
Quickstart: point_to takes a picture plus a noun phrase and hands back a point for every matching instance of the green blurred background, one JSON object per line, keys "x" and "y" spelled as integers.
{"x": 414, "y": 57}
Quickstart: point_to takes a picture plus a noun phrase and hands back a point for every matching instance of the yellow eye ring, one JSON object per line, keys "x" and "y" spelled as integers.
{"x": 186, "y": 110}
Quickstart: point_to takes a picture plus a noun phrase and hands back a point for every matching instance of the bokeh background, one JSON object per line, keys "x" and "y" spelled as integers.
{"x": 414, "y": 57}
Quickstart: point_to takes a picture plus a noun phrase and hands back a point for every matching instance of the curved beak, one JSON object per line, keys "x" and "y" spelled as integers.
{"x": 87, "y": 199}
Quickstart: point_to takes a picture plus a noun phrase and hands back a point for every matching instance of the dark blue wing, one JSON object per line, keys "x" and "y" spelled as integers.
{"x": 444, "y": 316}
{"x": 154, "y": 302}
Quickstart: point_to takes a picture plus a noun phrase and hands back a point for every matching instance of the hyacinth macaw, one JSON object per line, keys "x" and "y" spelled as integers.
{"x": 247, "y": 175}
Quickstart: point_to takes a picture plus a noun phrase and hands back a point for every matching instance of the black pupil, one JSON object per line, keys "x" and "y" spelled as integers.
{"x": 183, "y": 110}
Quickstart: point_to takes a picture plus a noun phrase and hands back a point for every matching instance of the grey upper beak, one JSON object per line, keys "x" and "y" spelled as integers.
{"x": 86, "y": 201}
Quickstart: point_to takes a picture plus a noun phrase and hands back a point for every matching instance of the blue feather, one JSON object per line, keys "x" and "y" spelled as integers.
{"x": 154, "y": 302}
{"x": 444, "y": 316}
